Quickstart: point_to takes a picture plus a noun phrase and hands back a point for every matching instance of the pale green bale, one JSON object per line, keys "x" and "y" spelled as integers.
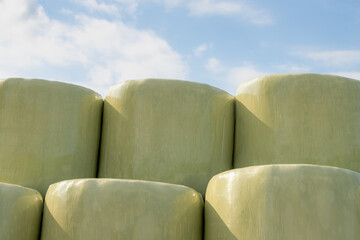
{"x": 298, "y": 118}
{"x": 96, "y": 209}
{"x": 20, "y": 212}
{"x": 49, "y": 131}
{"x": 281, "y": 202}
{"x": 167, "y": 130}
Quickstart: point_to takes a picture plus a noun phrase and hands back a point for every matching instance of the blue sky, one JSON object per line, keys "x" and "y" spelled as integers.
{"x": 98, "y": 43}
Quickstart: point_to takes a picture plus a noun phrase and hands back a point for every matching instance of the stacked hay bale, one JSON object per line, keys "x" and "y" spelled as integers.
{"x": 292, "y": 120}
{"x": 49, "y": 131}
{"x": 21, "y": 210}
{"x": 121, "y": 209}
{"x": 174, "y": 132}
{"x": 165, "y": 130}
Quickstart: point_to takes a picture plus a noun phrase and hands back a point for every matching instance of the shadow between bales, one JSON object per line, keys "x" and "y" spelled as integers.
{"x": 50, "y": 226}
{"x": 215, "y": 228}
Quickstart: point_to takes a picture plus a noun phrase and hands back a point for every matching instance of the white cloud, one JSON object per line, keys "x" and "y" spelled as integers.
{"x": 203, "y": 7}
{"x": 231, "y": 77}
{"x": 225, "y": 8}
{"x": 5, "y": 73}
{"x": 233, "y": 74}
{"x": 111, "y": 7}
{"x": 198, "y": 8}
{"x": 107, "y": 51}
{"x": 202, "y": 48}
{"x": 337, "y": 58}
{"x": 116, "y": 7}
{"x": 169, "y": 3}
{"x": 353, "y": 75}
{"x": 130, "y": 6}
{"x": 292, "y": 68}
{"x": 213, "y": 64}
{"x": 32, "y": 37}
{"x": 98, "y": 6}
{"x": 240, "y": 74}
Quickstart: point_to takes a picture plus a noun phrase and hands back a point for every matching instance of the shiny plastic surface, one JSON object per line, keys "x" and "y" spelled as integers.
{"x": 49, "y": 131}
{"x": 167, "y": 130}
{"x": 283, "y": 202}
{"x": 20, "y": 212}
{"x": 298, "y": 118}
{"x": 88, "y": 209}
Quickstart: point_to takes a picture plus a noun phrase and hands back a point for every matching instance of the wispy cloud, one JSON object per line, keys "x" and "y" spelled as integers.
{"x": 238, "y": 8}
{"x": 292, "y": 68}
{"x": 107, "y": 51}
{"x": 169, "y": 3}
{"x": 201, "y": 48}
{"x": 98, "y": 6}
{"x": 230, "y": 8}
{"x": 337, "y": 58}
{"x": 213, "y": 65}
{"x": 111, "y": 7}
{"x": 232, "y": 76}
{"x": 254, "y": 15}
{"x": 240, "y": 74}
{"x": 353, "y": 75}
{"x": 203, "y": 7}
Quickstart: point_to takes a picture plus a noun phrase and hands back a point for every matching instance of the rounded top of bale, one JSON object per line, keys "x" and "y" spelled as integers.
{"x": 166, "y": 84}
{"x": 34, "y": 82}
{"x": 18, "y": 190}
{"x": 281, "y": 167}
{"x": 298, "y": 118}
{"x": 274, "y": 79}
{"x": 100, "y": 183}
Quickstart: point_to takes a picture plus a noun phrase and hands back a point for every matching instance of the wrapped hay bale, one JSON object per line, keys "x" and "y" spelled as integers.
{"x": 298, "y": 118}
{"x": 20, "y": 210}
{"x": 49, "y": 131}
{"x": 167, "y": 130}
{"x": 283, "y": 202}
{"x": 87, "y": 209}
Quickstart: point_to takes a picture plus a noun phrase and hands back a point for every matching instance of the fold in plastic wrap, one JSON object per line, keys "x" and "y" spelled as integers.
{"x": 20, "y": 212}
{"x": 49, "y": 131}
{"x": 283, "y": 202}
{"x": 167, "y": 130}
{"x": 298, "y": 118}
{"x": 87, "y": 209}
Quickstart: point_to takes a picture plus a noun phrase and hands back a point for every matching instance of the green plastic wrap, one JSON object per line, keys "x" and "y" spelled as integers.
{"x": 89, "y": 209}
{"x": 298, "y": 118}
{"x": 283, "y": 202}
{"x": 20, "y": 212}
{"x": 49, "y": 131}
{"x": 167, "y": 130}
